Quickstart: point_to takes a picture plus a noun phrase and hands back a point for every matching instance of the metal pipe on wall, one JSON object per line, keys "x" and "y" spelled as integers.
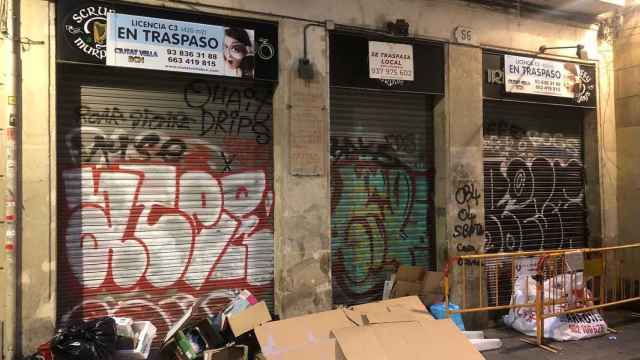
{"x": 12, "y": 136}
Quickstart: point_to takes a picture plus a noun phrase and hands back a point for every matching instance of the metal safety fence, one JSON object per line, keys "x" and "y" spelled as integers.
{"x": 544, "y": 284}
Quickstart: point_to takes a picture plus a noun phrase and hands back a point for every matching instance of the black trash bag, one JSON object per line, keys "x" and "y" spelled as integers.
{"x": 35, "y": 356}
{"x": 91, "y": 340}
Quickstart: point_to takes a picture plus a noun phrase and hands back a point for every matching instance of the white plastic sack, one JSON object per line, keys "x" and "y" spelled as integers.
{"x": 561, "y": 328}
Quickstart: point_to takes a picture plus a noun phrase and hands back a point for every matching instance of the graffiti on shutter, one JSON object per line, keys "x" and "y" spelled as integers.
{"x": 381, "y": 189}
{"x": 162, "y": 206}
{"x": 534, "y": 192}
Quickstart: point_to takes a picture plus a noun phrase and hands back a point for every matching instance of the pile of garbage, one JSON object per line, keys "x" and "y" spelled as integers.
{"x": 105, "y": 338}
{"x": 398, "y": 327}
{"x": 195, "y": 336}
{"x": 227, "y": 335}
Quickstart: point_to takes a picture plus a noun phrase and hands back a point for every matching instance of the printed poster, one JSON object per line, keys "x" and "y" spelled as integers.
{"x": 526, "y": 266}
{"x": 390, "y": 61}
{"x": 526, "y": 75}
{"x": 171, "y": 45}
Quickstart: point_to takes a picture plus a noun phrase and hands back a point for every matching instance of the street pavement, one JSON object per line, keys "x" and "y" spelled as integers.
{"x": 624, "y": 344}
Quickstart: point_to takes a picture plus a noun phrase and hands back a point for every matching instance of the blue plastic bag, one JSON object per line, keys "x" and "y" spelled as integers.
{"x": 438, "y": 311}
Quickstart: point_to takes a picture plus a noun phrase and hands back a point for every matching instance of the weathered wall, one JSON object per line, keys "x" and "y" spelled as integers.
{"x": 38, "y": 182}
{"x": 3, "y": 124}
{"x": 431, "y": 18}
{"x": 37, "y": 249}
{"x": 464, "y": 169}
{"x": 627, "y": 102}
{"x": 302, "y": 203}
{"x": 302, "y": 223}
{"x": 601, "y": 155}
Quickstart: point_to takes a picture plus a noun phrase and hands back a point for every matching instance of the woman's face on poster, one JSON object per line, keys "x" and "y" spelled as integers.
{"x": 234, "y": 52}
{"x": 572, "y": 80}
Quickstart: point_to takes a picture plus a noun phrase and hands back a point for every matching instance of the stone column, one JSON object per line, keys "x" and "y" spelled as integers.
{"x": 301, "y": 155}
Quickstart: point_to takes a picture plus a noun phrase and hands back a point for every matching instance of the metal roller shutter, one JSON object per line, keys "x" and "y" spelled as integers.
{"x": 165, "y": 192}
{"x": 534, "y": 180}
{"x": 381, "y": 188}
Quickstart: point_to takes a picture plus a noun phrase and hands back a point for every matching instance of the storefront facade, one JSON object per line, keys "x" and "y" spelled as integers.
{"x": 167, "y": 179}
{"x": 382, "y": 163}
{"x": 535, "y": 180}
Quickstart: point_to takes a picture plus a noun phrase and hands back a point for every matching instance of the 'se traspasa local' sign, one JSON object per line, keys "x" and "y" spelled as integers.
{"x": 526, "y": 75}
{"x": 164, "y": 44}
{"x": 390, "y": 61}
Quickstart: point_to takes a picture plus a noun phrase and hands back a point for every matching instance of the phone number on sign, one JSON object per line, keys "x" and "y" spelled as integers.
{"x": 192, "y": 54}
{"x": 189, "y": 57}
{"x": 587, "y": 329}
{"x": 196, "y": 62}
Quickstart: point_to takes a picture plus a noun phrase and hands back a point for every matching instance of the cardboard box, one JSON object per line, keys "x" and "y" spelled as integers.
{"x": 410, "y": 273}
{"x": 439, "y": 339}
{"x": 406, "y": 288}
{"x": 241, "y": 302}
{"x": 394, "y": 316}
{"x": 430, "y": 299}
{"x": 194, "y": 324}
{"x": 432, "y": 291}
{"x": 249, "y": 318}
{"x": 432, "y": 282}
{"x": 394, "y": 329}
{"x": 410, "y": 304}
{"x": 308, "y": 335}
{"x": 415, "y": 280}
{"x": 144, "y": 332}
{"x": 320, "y": 350}
{"x": 237, "y": 352}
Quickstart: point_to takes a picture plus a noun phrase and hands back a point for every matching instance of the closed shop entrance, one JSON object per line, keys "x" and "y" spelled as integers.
{"x": 381, "y": 173}
{"x": 534, "y": 177}
{"x": 165, "y": 187}
{"x": 534, "y": 173}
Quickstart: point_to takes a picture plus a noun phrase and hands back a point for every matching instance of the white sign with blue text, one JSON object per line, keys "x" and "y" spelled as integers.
{"x": 527, "y": 75}
{"x": 171, "y": 45}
